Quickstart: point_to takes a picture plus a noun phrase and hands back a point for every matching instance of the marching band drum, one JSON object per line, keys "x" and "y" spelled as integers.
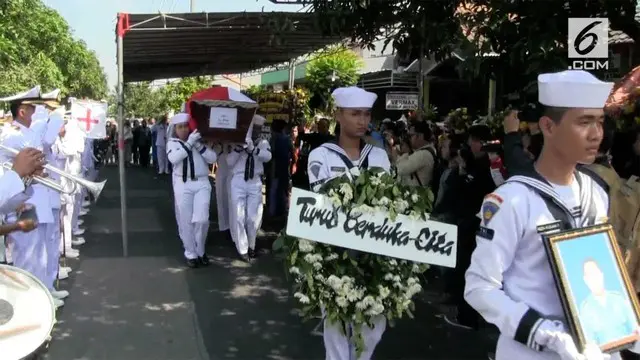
{"x": 27, "y": 313}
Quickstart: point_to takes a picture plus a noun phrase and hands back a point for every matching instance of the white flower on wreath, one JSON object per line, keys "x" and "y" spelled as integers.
{"x": 301, "y": 297}
{"x": 294, "y": 270}
{"x": 415, "y": 198}
{"x": 347, "y": 192}
{"x": 313, "y": 258}
{"x": 354, "y": 171}
{"x": 375, "y": 181}
{"x": 401, "y": 205}
{"x": 305, "y": 246}
{"x": 384, "y": 201}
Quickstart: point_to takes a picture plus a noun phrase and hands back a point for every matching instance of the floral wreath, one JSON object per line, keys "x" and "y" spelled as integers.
{"x": 353, "y": 287}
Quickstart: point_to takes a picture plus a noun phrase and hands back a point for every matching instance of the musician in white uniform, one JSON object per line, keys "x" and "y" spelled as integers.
{"x": 246, "y": 167}
{"x": 333, "y": 159}
{"x": 510, "y": 281}
{"x": 190, "y": 159}
{"x": 70, "y": 145}
{"x": 29, "y": 249}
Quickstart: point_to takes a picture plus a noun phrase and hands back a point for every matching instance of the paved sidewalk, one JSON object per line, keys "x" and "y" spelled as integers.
{"x": 150, "y": 306}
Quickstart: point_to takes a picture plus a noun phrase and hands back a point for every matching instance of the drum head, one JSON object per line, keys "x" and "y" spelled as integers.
{"x": 27, "y": 313}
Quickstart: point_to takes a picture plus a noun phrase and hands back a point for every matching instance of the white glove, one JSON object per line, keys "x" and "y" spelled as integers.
{"x": 249, "y": 146}
{"x": 552, "y": 335}
{"x": 194, "y": 138}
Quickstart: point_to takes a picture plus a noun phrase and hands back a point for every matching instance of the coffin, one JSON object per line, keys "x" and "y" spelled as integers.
{"x": 221, "y": 114}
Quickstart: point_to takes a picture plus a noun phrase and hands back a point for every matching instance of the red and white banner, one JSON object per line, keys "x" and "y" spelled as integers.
{"x": 91, "y": 117}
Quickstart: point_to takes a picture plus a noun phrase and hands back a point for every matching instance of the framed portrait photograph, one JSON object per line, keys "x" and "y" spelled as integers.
{"x": 599, "y": 302}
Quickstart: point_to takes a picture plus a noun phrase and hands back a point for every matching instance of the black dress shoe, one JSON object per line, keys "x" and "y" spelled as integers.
{"x": 252, "y": 253}
{"x": 192, "y": 263}
{"x": 245, "y": 258}
{"x": 204, "y": 260}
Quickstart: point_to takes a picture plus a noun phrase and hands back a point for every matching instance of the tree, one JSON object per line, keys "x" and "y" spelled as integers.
{"x": 528, "y": 36}
{"x": 142, "y": 100}
{"x": 38, "y": 48}
{"x": 329, "y": 70}
{"x": 174, "y": 94}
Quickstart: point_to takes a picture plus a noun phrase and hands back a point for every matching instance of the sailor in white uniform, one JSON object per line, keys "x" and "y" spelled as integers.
{"x": 29, "y": 249}
{"x": 246, "y": 167}
{"x": 190, "y": 159}
{"x": 348, "y": 155}
{"x": 510, "y": 281}
{"x": 71, "y": 146}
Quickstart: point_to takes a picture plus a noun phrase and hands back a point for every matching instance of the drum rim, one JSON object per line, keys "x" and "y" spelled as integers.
{"x": 53, "y": 307}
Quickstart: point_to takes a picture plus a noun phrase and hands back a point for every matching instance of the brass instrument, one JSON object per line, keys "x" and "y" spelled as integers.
{"x": 94, "y": 188}
{"x": 51, "y": 184}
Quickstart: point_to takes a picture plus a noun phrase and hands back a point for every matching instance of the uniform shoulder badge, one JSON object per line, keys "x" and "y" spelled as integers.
{"x": 490, "y": 207}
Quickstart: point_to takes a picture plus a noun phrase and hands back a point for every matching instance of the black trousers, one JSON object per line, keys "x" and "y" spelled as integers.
{"x": 467, "y": 315}
{"x": 144, "y": 155}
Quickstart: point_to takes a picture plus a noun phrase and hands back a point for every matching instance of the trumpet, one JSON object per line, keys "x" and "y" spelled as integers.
{"x": 94, "y": 188}
{"x": 51, "y": 184}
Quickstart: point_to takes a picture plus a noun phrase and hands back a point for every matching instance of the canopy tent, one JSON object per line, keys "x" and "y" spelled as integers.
{"x": 163, "y": 46}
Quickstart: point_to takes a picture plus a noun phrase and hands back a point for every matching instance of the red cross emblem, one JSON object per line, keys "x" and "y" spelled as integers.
{"x": 88, "y": 120}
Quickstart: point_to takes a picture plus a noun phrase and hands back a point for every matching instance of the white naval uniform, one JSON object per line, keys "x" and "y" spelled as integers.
{"x": 246, "y": 169}
{"x": 53, "y": 237}
{"x": 161, "y": 148}
{"x": 29, "y": 249}
{"x": 71, "y": 147}
{"x": 192, "y": 193}
{"x": 510, "y": 281}
{"x": 325, "y": 163}
{"x": 222, "y": 189}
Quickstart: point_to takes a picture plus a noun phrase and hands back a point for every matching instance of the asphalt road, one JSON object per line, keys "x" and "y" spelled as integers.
{"x": 150, "y": 306}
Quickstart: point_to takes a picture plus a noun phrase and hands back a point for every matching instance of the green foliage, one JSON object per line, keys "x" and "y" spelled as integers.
{"x": 527, "y": 37}
{"x": 37, "y": 47}
{"x": 334, "y": 68}
{"x": 175, "y": 93}
{"x": 143, "y": 100}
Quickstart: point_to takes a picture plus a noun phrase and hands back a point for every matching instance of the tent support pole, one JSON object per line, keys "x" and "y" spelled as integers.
{"x": 121, "y": 150}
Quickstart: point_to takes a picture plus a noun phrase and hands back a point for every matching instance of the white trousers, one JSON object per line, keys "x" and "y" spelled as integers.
{"x": 222, "y": 196}
{"x": 338, "y": 346}
{"x": 68, "y": 207}
{"x": 245, "y": 211}
{"x": 52, "y": 244}
{"x": 192, "y": 200}
{"x": 30, "y": 252}
{"x": 163, "y": 163}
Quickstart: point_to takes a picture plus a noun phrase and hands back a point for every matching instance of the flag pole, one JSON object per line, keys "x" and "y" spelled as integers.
{"x": 121, "y": 152}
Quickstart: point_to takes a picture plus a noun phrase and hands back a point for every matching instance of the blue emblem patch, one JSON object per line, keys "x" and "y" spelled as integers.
{"x": 489, "y": 209}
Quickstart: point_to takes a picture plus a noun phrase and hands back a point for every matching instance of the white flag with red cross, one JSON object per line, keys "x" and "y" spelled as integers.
{"x": 91, "y": 117}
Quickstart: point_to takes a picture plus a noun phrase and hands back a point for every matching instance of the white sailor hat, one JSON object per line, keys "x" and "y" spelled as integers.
{"x": 353, "y": 97}
{"x": 179, "y": 118}
{"x": 27, "y": 97}
{"x": 573, "y": 89}
{"x": 52, "y": 95}
{"x": 258, "y": 120}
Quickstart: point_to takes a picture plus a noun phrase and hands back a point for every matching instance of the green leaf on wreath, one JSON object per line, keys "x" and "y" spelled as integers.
{"x": 362, "y": 198}
{"x": 294, "y": 257}
{"x": 345, "y": 255}
{"x": 277, "y": 245}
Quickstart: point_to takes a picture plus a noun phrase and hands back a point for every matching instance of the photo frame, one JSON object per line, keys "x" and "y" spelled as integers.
{"x": 599, "y": 302}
